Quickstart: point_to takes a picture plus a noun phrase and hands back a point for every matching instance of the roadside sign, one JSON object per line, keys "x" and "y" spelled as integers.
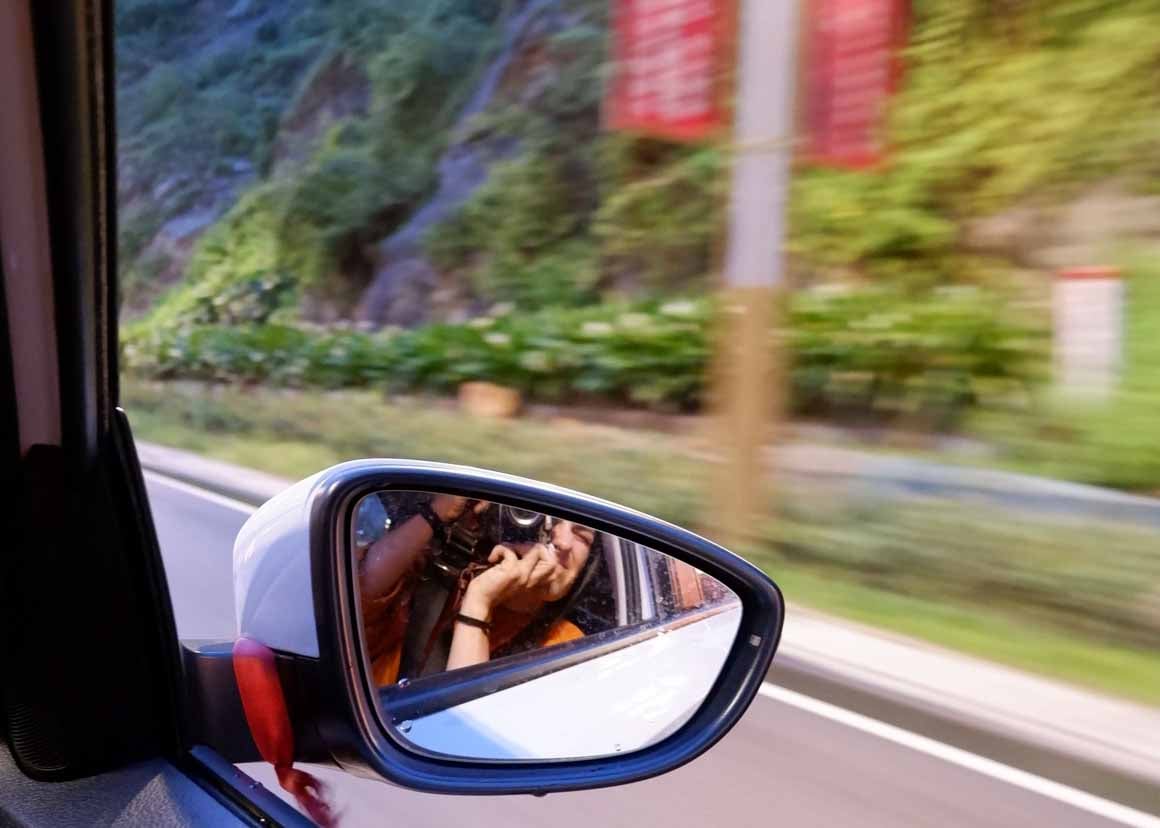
{"x": 670, "y": 68}
{"x": 1088, "y": 317}
{"x": 852, "y": 70}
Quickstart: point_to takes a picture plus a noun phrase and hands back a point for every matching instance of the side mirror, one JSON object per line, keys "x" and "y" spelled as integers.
{"x": 456, "y": 630}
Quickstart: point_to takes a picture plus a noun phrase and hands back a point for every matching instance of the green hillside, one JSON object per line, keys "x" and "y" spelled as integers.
{"x": 394, "y": 164}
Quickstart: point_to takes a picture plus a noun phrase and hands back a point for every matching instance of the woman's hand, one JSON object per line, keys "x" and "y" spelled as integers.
{"x": 449, "y": 508}
{"x": 517, "y": 572}
{"x": 389, "y": 557}
{"x": 518, "y": 569}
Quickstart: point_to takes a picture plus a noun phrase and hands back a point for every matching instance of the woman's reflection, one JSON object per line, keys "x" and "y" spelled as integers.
{"x": 391, "y": 564}
{"x": 496, "y": 597}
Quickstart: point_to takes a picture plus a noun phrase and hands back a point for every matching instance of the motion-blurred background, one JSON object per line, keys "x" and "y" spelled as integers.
{"x": 490, "y": 232}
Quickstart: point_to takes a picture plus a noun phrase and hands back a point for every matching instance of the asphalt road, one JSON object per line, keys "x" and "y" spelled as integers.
{"x": 789, "y": 762}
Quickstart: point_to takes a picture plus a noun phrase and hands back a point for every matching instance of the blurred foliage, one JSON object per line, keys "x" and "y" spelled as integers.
{"x": 874, "y": 353}
{"x": 637, "y": 216}
{"x": 235, "y": 274}
{"x": 521, "y": 237}
{"x": 985, "y": 119}
{"x": 663, "y": 211}
{"x": 1074, "y": 572}
{"x": 196, "y": 99}
{"x": 525, "y": 235}
{"x": 921, "y": 359}
{"x": 1027, "y": 572}
{"x": 342, "y": 199}
{"x": 1001, "y": 102}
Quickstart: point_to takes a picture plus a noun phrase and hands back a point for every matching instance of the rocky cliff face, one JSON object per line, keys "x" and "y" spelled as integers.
{"x": 222, "y": 96}
{"x": 201, "y": 86}
{"x": 404, "y": 289}
{"x": 364, "y": 125}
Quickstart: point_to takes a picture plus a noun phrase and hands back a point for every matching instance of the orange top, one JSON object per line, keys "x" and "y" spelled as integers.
{"x": 385, "y": 621}
{"x": 560, "y": 632}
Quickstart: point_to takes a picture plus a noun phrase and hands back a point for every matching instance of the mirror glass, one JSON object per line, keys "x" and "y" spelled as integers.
{"x": 498, "y": 633}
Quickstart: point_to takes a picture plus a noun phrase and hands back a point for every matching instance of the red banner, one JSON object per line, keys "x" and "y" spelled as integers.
{"x": 853, "y": 70}
{"x": 670, "y": 65}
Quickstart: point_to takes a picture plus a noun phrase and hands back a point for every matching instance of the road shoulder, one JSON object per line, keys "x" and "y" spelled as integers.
{"x": 1107, "y": 746}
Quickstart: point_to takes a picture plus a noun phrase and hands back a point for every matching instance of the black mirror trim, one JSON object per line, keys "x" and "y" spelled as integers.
{"x": 349, "y": 717}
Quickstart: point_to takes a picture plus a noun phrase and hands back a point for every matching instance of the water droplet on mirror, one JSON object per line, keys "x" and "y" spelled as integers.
{"x": 405, "y": 726}
{"x": 403, "y": 682}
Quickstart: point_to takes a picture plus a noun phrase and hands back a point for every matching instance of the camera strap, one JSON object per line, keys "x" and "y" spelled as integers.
{"x": 451, "y": 607}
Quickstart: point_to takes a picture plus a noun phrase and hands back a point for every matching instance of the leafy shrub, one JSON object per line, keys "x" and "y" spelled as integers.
{"x": 237, "y": 272}
{"x": 524, "y": 236}
{"x": 337, "y": 199}
{"x": 888, "y": 352}
{"x": 870, "y": 353}
{"x": 421, "y": 73}
{"x": 663, "y": 210}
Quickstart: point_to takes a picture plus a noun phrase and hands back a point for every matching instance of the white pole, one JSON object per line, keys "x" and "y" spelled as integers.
{"x": 763, "y": 142}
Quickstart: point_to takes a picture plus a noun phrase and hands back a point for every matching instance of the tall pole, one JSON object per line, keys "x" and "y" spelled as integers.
{"x": 749, "y": 393}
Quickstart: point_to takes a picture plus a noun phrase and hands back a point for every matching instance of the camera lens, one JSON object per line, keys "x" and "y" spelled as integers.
{"x": 523, "y": 518}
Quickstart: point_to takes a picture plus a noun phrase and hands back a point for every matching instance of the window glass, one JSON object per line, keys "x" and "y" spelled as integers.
{"x": 865, "y": 290}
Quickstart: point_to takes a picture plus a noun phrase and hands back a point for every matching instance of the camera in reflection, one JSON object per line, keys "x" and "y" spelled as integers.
{"x": 472, "y": 538}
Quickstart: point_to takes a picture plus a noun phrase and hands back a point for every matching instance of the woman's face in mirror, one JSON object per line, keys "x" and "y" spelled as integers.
{"x": 571, "y": 545}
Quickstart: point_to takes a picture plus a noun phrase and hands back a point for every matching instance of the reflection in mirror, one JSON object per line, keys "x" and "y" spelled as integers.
{"x": 498, "y": 633}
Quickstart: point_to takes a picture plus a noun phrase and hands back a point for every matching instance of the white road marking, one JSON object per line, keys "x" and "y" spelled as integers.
{"x": 988, "y": 767}
{"x": 956, "y": 756}
{"x": 213, "y": 497}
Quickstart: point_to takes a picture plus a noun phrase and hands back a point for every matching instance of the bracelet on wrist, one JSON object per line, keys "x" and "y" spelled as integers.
{"x": 432, "y": 518}
{"x": 474, "y": 622}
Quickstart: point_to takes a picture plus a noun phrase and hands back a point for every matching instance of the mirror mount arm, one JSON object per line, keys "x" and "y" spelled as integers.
{"x": 217, "y": 718}
{"x": 267, "y": 713}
